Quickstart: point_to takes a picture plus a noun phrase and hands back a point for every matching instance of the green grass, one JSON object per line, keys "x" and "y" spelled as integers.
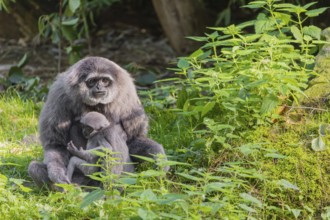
{"x": 270, "y": 173}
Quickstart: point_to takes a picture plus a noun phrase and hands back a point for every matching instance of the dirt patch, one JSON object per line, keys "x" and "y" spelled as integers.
{"x": 135, "y": 48}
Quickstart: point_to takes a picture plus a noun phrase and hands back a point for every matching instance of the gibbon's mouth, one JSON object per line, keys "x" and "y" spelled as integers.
{"x": 99, "y": 94}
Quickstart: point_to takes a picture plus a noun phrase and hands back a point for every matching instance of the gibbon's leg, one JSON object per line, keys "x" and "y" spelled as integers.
{"x": 39, "y": 174}
{"x": 145, "y": 147}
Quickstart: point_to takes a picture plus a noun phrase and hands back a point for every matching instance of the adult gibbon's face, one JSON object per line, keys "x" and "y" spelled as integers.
{"x": 97, "y": 81}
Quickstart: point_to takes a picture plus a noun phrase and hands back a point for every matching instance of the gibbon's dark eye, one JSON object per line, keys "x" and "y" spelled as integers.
{"x": 91, "y": 82}
{"x": 106, "y": 82}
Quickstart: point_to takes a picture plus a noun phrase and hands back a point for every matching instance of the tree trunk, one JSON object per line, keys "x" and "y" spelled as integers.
{"x": 179, "y": 19}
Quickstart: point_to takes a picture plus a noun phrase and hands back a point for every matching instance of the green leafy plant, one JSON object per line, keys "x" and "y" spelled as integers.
{"x": 240, "y": 77}
{"x": 4, "y": 5}
{"x": 72, "y": 23}
{"x": 27, "y": 87}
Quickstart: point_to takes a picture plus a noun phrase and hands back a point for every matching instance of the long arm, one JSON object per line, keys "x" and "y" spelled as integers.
{"x": 54, "y": 125}
{"x": 85, "y": 155}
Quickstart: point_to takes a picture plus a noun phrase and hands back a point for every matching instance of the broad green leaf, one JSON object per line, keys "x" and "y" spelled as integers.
{"x": 255, "y": 4}
{"x": 309, "y": 5}
{"x": 152, "y": 173}
{"x": 149, "y": 159}
{"x": 197, "y": 53}
{"x": 275, "y": 155}
{"x": 247, "y": 208}
{"x": 92, "y": 197}
{"x": 146, "y": 214}
{"x": 190, "y": 177}
{"x": 285, "y": 18}
{"x": 72, "y": 21}
{"x": 127, "y": 180}
{"x": 316, "y": 12}
{"x": 296, "y": 33}
{"x": 263, "y": 24}
{"x": 183, "y": 64}
{"x": 318, "y": 144}
{"x": 19, "y": 183}
{"x": 247, "y": 149}
{"x": 217, "y": 186}
{"x": 296, "y": 212}
{"x": 69, "y": 33}
{"x": 269, "y": 103}
{"x": 148, "y": 195}
{"x": 250, "y": 198}
{"x": 74, "y": 5}
{"x": 207, "y": 108}
{"x": 313, "y": 31}
{"x": 172, "y": 197}
{"x": 201, "y": 39}
{"x": 286, "y": 184}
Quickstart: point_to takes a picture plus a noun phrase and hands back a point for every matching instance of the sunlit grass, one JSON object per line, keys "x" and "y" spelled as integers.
{"x": 222, "y": 185}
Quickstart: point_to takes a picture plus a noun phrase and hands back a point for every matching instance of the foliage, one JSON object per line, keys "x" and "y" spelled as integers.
{"x": 4, "y": 4}
{"x": 276, "y": 176}
{"x": 73, "y": 25}
{"x": 28, "y": 87}
{"x": 238, "y": 80}
{"x": 225, "y": 15}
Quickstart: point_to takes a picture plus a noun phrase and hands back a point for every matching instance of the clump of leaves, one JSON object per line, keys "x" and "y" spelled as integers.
{"x": 27, "y": 87}
{"x": 238, "y": 79}
{"x": 72, "y": 23}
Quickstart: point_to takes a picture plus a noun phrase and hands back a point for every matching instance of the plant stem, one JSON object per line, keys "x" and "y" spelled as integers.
{"x": 87, "y": 35}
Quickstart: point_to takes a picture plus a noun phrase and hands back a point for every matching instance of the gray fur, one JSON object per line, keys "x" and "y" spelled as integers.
{"x": 69, "y": 98}
{"x": 98, "y": 138}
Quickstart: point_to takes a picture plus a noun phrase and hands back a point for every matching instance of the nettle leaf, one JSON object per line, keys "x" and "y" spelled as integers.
{"x": 183, "y": 64}
{"x": 148, "y": 195}
{"x": 207, "y": 108}
{"x": 318, "y": 144}
{"x": 263, "y": 24}
{"x": 275, "y": 155}
{"x": 296, "y": 33}
{"x": 285, "y": 18}
{"x": 255, "y": 4}
{"x": 247, "y": 208}
{"x": 316, "y": 12}
{"x": 250, "y": 198}
{"x": 74, "y": 5}
{"x": 296, "y": 212}
{"x": 127, "y": 180}
{"x": 92, "y": 197}
{"x": 197, "y": 53}
{"x": 146, "y": 214}
{"x": 309, "y": 5}
{"x": 190, "y": 177}
{"x": 269, "y": 103}
{"x": 286, "y": 184}
{"x": 312, "y": 31}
